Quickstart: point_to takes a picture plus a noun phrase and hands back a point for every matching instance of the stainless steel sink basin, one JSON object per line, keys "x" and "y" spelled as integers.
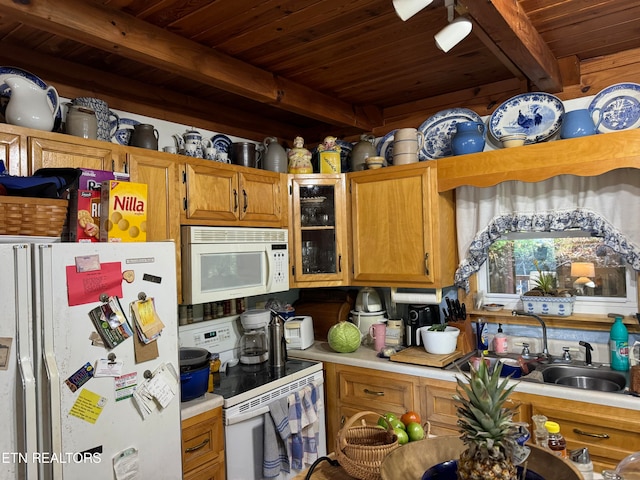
{"x": 588, "y": 378}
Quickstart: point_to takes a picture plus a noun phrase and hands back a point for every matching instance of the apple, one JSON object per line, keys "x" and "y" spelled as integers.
{"x": 387, "y": 420}
{"x": 415, "y": 431}
{"x": 402, "y": 436}
{"x": 409, "y": 417}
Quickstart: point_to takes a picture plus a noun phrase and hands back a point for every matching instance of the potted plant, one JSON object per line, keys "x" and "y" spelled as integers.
{"x": 546, "y": 298}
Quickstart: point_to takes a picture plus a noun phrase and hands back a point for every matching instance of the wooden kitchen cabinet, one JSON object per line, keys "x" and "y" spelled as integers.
{"x": 13, "y": 148}
{"x": 229, "y": 195}
{"x": 203, "y": 446}
{"x": 350, "y": 390}
{"x": 610, "y": 433}
{"x": 402, "y": 230}
{"x": 161, "y": 173}
{"x": 318, "y": 230}
{"x": 436, "y": 399}
{"x": 73, "y": 152}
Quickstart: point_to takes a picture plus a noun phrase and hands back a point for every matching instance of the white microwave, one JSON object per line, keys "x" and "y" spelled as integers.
{"x": 220, "y": 263}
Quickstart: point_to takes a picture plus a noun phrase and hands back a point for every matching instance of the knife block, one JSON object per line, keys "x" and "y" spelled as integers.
{"x": 466, "y": 340}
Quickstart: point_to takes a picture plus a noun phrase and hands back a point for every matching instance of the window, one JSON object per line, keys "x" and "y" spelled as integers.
{"x": 579, "y": 262}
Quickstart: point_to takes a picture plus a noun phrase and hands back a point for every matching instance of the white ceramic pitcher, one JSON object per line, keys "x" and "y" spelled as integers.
{"x": 30, "y": 106}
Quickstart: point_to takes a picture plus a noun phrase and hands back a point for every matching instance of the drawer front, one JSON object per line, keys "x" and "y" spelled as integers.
{"x": 209, "y": 471}
{"x": 202, "y": 440}
{"x": 377, "y": 393}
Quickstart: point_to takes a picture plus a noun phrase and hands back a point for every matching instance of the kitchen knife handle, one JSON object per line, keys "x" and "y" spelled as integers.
{"x": 426, "y": 263}
{"x": 371, "y": 392}
{"x": 196, "y": 447}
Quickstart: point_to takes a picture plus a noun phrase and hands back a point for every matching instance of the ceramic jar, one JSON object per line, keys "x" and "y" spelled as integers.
{"x": 144, "y": 135}
{"x": 361, "y": 151}
{"x": 275, "y": 156}
{"x": 81, "y": 122}
{"x": 108, "y": 121}
{"x": 580, "y": 123}
{"x": 469, "y": 138}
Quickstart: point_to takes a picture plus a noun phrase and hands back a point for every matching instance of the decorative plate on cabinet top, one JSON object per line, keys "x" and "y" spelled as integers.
{"x": 221, "y": 143}
{"x": 619, "y": 105}
{"x": 5, "y": 91}
{"x": 538, "y": 115}
{"x": 439, "y": 129}
{"x": 385, "y": 147}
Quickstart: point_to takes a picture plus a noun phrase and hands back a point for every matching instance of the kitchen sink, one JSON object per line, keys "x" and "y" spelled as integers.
{"x": 588, "y": 378}
{"x": 596, "y": 377}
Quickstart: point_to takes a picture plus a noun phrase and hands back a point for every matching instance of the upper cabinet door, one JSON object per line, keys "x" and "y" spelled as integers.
{"x": 261, "y": 197}
{"x": 402, "y": 230}
{"x": 318, "y": 230}
{"x": 11, "y": 148}
{"x": 211, "y": 194}
{"x": 88, "y": 154}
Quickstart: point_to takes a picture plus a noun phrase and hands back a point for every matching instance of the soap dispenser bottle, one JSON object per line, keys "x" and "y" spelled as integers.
{"x": 619, "y": 346}
{"x": 500, "y": 341}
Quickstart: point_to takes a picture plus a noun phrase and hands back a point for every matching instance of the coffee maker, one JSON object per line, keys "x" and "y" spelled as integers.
{"x": 419, "y": 316}
{"x": 254, "y": 344}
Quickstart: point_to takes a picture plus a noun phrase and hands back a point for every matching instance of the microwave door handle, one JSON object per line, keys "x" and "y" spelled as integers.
{"x": 270, "y": 269}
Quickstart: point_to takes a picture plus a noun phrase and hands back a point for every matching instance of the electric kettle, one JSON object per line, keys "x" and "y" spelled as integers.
{"x": 368, "y": 300}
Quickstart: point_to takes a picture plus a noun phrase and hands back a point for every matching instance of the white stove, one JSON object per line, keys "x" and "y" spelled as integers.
{"x": 247, "y": 391}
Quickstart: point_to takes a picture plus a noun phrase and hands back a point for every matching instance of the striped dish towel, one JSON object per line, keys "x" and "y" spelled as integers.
{"x": 303, "y": 422}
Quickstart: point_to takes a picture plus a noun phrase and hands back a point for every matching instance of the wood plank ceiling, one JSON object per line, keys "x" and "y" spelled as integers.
{"x": 254, "y": 68}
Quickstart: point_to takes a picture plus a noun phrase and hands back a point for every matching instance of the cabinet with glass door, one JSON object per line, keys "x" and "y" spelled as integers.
{"x": 318, "y": 230}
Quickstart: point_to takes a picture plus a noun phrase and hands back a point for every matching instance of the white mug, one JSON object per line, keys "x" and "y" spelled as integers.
{"x": 222, "y": 157}
{"x": 191, "y": 149}
{"x": 210, "y": 153}
{"x": 170, "y": 149}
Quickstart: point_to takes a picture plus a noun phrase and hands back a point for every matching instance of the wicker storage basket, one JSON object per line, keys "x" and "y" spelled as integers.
{"x": 361, "y": 449}
{"x": 32, "y": 216}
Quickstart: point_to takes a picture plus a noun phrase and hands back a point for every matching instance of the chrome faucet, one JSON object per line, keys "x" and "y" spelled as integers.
{"x": 545, "y": 346}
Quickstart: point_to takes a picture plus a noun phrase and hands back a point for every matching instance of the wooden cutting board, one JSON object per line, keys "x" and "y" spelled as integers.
{"x": 418, "y": 356}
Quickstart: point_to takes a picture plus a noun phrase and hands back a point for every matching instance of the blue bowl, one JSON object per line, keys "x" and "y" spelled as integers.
{"x": 449, "y": 471}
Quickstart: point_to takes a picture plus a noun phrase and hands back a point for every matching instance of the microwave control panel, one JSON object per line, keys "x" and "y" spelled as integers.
{"x": 280, "y": 259}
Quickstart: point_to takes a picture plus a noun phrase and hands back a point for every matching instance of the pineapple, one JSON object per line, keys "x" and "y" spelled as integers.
{"x": 486, "y": 425}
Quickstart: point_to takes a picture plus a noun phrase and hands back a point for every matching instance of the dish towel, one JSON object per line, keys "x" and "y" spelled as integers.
{"x": 276, "y": 435}
{"x": 303, "y": 422}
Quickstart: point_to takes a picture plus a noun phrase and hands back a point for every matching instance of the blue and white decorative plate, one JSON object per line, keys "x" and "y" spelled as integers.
{"x": 123, "y": 135}
{"x": 385, "y": 147}
{"x": 221, "y": 143}
{"x": 538, "y": 115}
{"x": 438, "y": 130}
{"x": 5, "y": 91}
{"x": 345, "y": 154}
{"x": 619, "y": 105}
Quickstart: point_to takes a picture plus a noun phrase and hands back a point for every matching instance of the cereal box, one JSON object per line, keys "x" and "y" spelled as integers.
{"x": 84, "y": 216}
{"x": 92, "y": 179}
{"x": 123, "y": 212}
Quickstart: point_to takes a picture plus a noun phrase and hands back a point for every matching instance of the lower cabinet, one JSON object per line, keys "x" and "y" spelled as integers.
{"x": 610, "y": 433}
{"x": 203, "y": 446}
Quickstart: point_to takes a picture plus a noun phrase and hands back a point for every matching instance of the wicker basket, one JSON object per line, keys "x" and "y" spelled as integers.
{"x": 361, "y": 449}
{"x": 32, "y": 216}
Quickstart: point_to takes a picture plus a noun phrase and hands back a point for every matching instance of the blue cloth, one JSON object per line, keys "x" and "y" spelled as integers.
{"x": 276, "y": 433}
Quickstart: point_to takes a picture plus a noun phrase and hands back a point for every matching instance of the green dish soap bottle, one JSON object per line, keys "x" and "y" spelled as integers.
{"x": 619, "y": 346}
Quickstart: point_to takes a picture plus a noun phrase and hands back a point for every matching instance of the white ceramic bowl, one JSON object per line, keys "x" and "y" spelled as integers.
{"x": 439, "y": 343}
{"x": 513, "y": 140}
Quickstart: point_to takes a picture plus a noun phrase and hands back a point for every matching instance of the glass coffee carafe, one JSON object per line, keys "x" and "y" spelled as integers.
{"x": 254, "y": 347}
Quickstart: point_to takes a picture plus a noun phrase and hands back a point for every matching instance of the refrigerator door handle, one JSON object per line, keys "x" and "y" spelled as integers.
{"x": 24, "y": 354}
{"x": 51, "y": 367}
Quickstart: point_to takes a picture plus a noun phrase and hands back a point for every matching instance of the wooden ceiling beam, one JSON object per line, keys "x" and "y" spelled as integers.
{"x": 506, "y": 28}
{"x": 74, "y": 80}
{"x": 116, "y": 32}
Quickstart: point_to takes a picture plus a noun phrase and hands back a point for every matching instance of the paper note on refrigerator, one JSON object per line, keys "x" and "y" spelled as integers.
{"x": 86, "y": 287}
{"x": 88, "y": 406}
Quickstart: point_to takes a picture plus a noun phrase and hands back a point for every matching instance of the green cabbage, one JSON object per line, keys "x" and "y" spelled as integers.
{"x": 344, "y": 337}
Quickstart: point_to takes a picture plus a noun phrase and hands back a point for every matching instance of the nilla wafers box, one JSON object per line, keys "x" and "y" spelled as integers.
{"x": 123, "y": 212}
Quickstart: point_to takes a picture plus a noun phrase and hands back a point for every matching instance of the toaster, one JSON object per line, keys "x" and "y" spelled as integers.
{"x": 298, "y": 332}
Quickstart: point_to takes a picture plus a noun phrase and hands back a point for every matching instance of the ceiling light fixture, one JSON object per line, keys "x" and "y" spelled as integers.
{"x": 455, "y": 32}
{"x": 408, "y": 8}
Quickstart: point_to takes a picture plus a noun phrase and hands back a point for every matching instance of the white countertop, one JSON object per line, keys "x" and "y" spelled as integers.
{"x": 199, "y": 405}
{"x": 366, "y": 357}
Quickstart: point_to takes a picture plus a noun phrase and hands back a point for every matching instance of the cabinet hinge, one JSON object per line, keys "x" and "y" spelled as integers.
{"x": 184, "y": 176}
{"x": 184, "y": 204}
{"x": 290, "y": 189}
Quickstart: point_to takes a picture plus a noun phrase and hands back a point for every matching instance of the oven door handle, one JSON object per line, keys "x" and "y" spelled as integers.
{"x": 246, "y": 416}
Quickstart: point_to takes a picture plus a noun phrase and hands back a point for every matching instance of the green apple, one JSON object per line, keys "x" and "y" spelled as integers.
{"x": 415, "y": 431}
{"x": 402, "y": 436}
{"x": 387, "y": 420}
{"x": 397, "y": 424}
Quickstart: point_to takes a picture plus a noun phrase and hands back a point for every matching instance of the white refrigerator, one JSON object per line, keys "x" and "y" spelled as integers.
{"x": 66, "y": 405}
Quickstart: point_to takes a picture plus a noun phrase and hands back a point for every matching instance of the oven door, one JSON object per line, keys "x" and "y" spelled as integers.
{"x": 244, "y": 437}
